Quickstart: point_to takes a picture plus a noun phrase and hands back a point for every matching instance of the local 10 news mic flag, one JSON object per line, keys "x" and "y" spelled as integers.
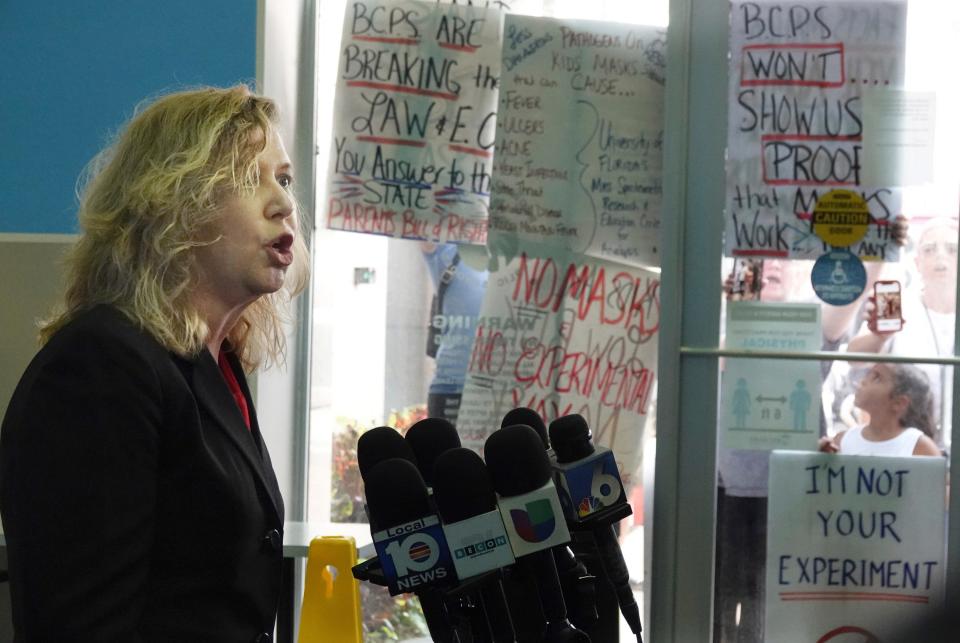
{"x": 407, "y": 534}
{"x": 533, "y": 518}
{"x": 412, "y": 552}
{"x": 593, "y": 496}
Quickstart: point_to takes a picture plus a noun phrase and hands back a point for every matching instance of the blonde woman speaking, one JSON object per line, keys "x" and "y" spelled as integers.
{"x": 138, "y": 498}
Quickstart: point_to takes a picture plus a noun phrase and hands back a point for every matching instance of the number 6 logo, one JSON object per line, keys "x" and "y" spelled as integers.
{"x": 604, "y": 486}
{"x": 417, "y": 552}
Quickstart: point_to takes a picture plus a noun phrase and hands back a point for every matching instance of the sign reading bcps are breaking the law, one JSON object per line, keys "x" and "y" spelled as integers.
{"x": 414, "y": 120}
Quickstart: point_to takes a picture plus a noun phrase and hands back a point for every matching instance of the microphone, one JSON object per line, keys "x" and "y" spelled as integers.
{"x": 409, "y": 540}
{"x": 474, "y": 531}
{"x": 379, "y": 444}
{"x": 533, "y": 517}
{"x": 593, "y": 497}
{"x": 578, "y": 584}
{"x": 528, "y": 417}
{"x": 428, "y": 439}
{"x": 406, "y": 533}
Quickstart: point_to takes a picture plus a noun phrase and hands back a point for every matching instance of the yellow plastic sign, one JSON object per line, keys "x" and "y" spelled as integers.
{"x": 841, "y": 217}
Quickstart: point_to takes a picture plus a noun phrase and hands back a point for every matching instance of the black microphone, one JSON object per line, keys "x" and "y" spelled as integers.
{"x": 474, "y": 531}
{"x": 533, "y": 517}
{"x": 593, "y": 496}
{"x": 409, "y": 541}
{"x": 428, "y": 439}
{"x": 528, "y": 417}
{"x": 379, "y": 444}
{"x": 578, "y": 583}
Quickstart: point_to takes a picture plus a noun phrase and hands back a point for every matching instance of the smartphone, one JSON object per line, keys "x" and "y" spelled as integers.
{"x": 889, "y": 313}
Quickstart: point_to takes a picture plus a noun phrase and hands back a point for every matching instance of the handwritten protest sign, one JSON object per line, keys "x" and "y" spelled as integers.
{"x": 565, "y": 336}
{"x": 579, "y": 139}
{"x": 855, "y": 544}
{"x": 414, "y": 121}
{"x": 798, "y": 71}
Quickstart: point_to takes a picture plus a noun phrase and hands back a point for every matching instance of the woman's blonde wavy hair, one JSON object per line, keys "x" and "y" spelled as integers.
{"x": 149, "y": 201}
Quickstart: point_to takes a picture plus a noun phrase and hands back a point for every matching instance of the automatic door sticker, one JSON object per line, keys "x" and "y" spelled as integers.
{"x": 838, "y": 277}
{"x": 841, "y": 217}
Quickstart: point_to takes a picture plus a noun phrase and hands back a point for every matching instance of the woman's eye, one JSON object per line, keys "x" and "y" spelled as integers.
{"x": 285, "y": 180}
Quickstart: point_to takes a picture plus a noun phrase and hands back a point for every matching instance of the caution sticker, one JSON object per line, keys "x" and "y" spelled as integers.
{"x": 841, "y": 217}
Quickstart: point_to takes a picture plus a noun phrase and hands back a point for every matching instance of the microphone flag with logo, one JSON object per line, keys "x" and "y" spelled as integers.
{"x": 407, "y": 536}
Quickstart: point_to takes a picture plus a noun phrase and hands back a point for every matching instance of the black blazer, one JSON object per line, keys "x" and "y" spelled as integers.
{"x": 136, "y": 504}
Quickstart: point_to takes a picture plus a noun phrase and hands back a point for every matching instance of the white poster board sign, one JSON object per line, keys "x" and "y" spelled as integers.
{"x": 566, "y": 336}
{"x": 414, "y": 121}
{"x": 795, "y": 131}
{"x": 771, "y": 403}
{"x": 579, "y": 139}
{"x": 855, "y": 545}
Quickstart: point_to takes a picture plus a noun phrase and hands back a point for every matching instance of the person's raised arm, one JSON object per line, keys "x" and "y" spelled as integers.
{"x": 837, "y": 320}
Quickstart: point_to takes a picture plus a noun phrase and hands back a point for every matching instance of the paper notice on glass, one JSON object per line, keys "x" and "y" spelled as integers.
{"x": 770, "y": 403}
{"x": 898, "y": 136}
{"x": 579, "y": 140}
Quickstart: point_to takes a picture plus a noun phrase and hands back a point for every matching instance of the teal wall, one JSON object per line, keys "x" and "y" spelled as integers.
{"x": 72, "y": 72}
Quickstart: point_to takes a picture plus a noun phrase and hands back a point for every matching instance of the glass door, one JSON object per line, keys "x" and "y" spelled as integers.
{"x": 810, "y": 259}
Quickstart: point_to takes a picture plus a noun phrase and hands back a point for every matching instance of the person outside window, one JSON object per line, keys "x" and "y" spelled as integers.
{"x": 900, "y": 405}
{"x": 455, "y": 324}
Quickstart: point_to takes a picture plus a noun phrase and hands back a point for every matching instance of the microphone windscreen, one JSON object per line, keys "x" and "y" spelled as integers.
{"x": 570, "y": 437}
{"x": 462, "y": 486}
{"x": 428, "y": 438}
{"x": 396, "y": 493}
{"x": 531, "y": 418}
{"x": 379, "y": 444}
{"x": 517, "y": 461}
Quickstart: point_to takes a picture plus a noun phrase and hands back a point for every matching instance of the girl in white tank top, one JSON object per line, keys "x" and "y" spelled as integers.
{"x": 898, "y": 399}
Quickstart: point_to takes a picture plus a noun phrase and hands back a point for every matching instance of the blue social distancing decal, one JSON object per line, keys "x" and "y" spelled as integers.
{"x": 838, "y": 277}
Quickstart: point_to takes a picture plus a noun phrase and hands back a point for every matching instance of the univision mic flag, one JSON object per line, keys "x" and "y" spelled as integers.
{"x": 534, "y": 521}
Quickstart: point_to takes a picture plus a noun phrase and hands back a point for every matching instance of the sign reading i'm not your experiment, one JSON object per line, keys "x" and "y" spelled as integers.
{"x": 855, "y": 545}
{"x": 770, "y": 403}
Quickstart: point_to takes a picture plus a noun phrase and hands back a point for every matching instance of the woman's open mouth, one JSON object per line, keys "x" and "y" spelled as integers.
{"x": 281, "y": 250}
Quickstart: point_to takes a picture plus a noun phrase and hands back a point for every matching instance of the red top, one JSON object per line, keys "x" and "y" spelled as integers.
{"x": 234, "y": 386}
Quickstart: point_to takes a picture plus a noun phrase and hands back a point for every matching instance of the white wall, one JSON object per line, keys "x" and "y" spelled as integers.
{"x": 285, "y": 72}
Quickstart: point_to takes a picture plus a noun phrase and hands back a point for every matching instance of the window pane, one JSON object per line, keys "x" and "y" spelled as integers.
{"x": 376, "y": 360}
{"x": 798, "y": 562}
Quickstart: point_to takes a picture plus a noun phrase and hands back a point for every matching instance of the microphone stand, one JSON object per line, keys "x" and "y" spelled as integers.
{"x": 453, "y": 613}
{"x": 579, "y": 589}
{"x": 587, "y": 534}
